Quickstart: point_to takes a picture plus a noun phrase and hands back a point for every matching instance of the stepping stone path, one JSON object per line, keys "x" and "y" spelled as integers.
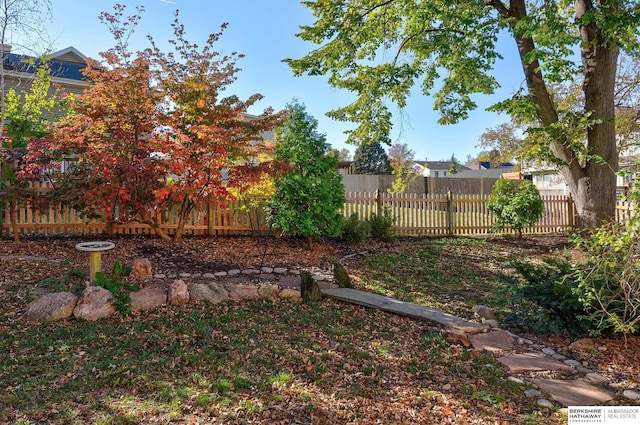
{"x": 520, "y": 356}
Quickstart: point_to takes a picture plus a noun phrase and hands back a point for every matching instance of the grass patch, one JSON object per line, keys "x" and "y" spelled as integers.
{"x": 274, "y": 361}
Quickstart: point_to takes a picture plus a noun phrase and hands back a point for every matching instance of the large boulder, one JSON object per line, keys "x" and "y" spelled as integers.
{"x": 141, "y": 269}
{"x": 51, "y": 307}
{"x": 178, "y": 293}
{"x": 148, "y": 298}
{"x": 213, "y": 293}
{"x": 94, "y": 304}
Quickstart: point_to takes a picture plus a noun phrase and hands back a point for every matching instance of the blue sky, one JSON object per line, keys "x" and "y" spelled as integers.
{"x": 264, "y": 31}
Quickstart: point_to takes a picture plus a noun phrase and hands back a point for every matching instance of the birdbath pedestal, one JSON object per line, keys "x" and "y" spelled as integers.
{"x": 95, "y": 250}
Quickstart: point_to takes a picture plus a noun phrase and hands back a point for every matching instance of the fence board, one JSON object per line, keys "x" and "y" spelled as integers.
{"x": 415, "y": 214}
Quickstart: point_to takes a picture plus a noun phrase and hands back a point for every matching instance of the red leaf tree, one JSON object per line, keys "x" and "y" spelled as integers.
{"x": 153, "y": 134}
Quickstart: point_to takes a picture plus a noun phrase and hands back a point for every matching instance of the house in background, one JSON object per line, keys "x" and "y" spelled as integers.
{"x": 66, "y": 69}
{"x": 436, "y": 168}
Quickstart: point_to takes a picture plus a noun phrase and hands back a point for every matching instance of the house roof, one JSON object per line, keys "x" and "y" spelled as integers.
{"x": 495, "y": 173}
{"x": 440, "y": 165}
{"x": 67, "y": 63}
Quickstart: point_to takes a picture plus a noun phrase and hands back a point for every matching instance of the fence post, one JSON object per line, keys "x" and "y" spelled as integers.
{"x": 378, "y": 203}
{"x": 570, "y": 208}
{"x": 210, "y": 220}
{"x": 450, "y": 213}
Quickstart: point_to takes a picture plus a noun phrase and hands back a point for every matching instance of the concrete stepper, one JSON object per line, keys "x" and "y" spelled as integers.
{"x": 570, "y": 392}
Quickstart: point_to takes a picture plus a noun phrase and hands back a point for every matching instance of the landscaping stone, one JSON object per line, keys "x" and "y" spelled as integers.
{"x": 574, "y": 392}
{"x": 516, "y": 380}
{"x": 532, "y": 393}
{"x": 94, "y": 304}
{"x": 290, "y": 281}
{"x": 159, "y": 276}
{"x": 572, "y": 363}
{"x": 583, "y": 369}
{"x": 582, "y": 345}
{"x": 325, "y": 284}
{"x": 208, "y": 276}
{"x": 309, "y": 289}
{"x": 239, "y": 291}
{"x": 341, "y": 277}
{"x": 470, "y": 328}
{"x": 631, "y": 395}
{"x": 544, "y": 403}
{"x": 279, "y": 270}
{"x": 548, "y": 351}
{"x": 141, "y": 269}
{"x": 266, "y": 269}
{"x": 596, "y": 378}
{"x": 533, "y": 362}
{"x": 183, "y": 274}
{"x": 494, "y": 341}
{"x": 291, "y": 294}
{"x": 220, "y": 274}
{"x": 213, "y": 293}
{"x": 391, "y": 305}
{"x": 268, "y": 290}
{"x": 51, "y": 307}
{"x": 148, "y": 298}
{"x": 234, "y": 272}
{"x": 178, "y": 293}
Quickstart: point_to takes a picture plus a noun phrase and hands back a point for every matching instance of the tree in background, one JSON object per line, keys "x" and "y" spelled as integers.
{"x": 515, "y": 208}
{"x": 153, "y": 133}
{"x": 453, "y": 168}
{"x": 22, "y": 27}
{"x": 309, "y": 197}
{"x": 371, "y": 158}
{"x": 401, "y": 160}
{"x": 340, "y": 154}
{"x": 378, "y": 50}
{"x": 30, "y": 116}
{"x": 519, "y": 139}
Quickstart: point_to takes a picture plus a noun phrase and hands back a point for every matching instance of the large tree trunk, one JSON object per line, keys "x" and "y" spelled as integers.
{"x": 596, "y": 191}
{"x": 592, "y": 184}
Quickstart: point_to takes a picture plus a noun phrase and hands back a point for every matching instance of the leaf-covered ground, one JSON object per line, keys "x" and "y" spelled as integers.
{"x": 267, "y": 362}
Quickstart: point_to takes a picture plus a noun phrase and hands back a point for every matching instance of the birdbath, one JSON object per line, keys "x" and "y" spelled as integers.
{"x": 95, "y": 250}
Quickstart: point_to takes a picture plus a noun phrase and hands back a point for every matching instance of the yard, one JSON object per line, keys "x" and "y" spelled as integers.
{"x": 275, "y": 361}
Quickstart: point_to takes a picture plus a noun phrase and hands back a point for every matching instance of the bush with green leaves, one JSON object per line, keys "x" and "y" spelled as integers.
{"x": 548, "y": 300}
{"x": 513, "y": 208}
{"x": 308, "y": 198}
{"x": 121, "y": 299}
{"x": 354, "y": 230}
{"x": 609, "y": 277}
{"x": 381, "y": 225}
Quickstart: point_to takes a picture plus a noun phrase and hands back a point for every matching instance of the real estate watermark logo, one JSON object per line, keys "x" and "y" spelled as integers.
{"x": 615, "y": 415}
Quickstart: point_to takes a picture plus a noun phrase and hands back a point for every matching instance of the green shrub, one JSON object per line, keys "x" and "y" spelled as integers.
{"x": 515, "y": 208}
{"x": 354, "y": 230}
{"x": 309, "y": 197}
{"x": 610, "y": 277}
{"x": 120, "y": 290}
{"x": 381, "y": 225}
{"x": 548, "y": 300}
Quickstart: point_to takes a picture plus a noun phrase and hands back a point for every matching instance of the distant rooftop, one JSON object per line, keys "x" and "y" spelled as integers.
{"x": 67, "y": 63}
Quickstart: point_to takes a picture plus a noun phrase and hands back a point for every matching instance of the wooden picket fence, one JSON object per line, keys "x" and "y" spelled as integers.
{"x": 447, "y": 214}
{"x": 453, "y": 214}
